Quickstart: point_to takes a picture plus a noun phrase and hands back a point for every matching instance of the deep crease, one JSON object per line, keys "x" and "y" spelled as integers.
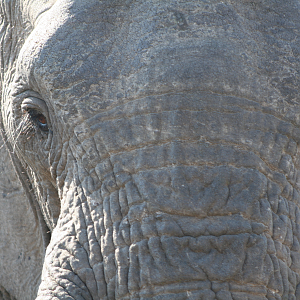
{"x": 70, "y": 280}
{"x": 53, "y": 279}
{"x": 214, "y": 141}
{"x": 183, "y": 91}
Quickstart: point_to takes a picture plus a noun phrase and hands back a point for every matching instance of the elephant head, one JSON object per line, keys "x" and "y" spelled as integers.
{"x": 159, "y": 141}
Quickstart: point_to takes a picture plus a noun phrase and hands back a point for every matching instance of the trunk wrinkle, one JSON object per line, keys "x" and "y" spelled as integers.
{"x": 64, "y": 288}
{"x": 253, "y": 106}
{"x": 120, "y": 221}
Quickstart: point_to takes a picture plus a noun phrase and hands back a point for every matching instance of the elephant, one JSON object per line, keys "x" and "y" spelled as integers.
{"x": 157, "y": 144}
{"x": 21, "y": 245}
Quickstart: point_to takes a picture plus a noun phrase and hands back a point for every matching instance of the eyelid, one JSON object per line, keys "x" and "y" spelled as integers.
{"x": 34, "y": 103}
{"x": 39, "y": 105}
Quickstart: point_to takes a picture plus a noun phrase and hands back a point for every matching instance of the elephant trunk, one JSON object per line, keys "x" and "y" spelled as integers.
{"x": 178, "y": 196}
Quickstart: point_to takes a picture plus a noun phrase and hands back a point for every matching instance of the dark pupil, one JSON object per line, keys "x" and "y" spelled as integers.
{"x": 41, "y": 118}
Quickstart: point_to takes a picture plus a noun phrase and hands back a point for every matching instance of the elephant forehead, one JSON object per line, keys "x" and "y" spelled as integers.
{"x": 94, "y": 56}
{"x": 103, "y": 56}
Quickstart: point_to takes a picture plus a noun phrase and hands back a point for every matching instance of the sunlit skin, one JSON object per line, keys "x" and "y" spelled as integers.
{"x": 160, "y": 143}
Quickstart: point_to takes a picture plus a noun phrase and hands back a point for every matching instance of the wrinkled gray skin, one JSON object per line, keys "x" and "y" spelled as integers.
{"x": 169, "y": 166}
{"x": 21, "y": 246}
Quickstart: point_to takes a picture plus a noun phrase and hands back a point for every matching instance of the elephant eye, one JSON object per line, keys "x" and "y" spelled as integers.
{"x": 39, "y": 119}
{"x": 36, "y": 111}
{"x": 42, "y": 122}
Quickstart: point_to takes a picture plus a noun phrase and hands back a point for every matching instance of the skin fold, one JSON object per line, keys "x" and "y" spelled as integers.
{"x": 157, "y": 141}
